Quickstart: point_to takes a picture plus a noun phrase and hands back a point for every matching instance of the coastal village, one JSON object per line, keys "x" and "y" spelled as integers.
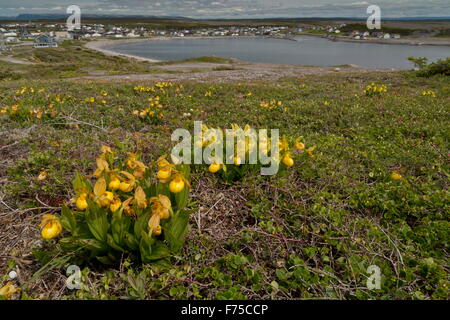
{"x": 44, "y": 35}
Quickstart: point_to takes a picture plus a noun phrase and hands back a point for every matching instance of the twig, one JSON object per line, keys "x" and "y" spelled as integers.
{"x": 9, "y": 145}
{"x": 84, "y": 122}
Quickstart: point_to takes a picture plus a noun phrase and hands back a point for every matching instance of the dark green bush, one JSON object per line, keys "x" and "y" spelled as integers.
{"x": 440, "y": 67}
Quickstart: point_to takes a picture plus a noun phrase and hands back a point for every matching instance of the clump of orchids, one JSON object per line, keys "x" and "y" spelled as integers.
{"x": 125, "y": 207}
{"x": 254, "y": 146}
{"x": 375, "y": 89}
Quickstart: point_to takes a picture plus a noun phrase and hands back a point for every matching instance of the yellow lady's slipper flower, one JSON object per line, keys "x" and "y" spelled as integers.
{"x": 106, "y": 149}
{"x": 177, "y": 184}
{"x": 8, "y": 290}
{"x": 153, "y": 224}
{"x": 214, "y": 167}
{"x": 51, "y": 227}
{"x": 237, "y": 161}
{"x": 310, "y": 150}
{"x": 114, "y": 184}
{"x": 299, "y": 145}
{"x": 115, "y": 204}
{"x": 396, "y": 176}
{"x": 162, "y": 162}
{"x": 109, "y": 195}
{"x": 102, "y": 166}
{"x": 100, "y": 187}
{"x": 129, "y": 211}
{"x": 161, "y": 206}
{"x": 140, "y": 198}
{"x": 283, "y": 144}
{"x": 164, "y": 174}
{"x": 125, "y": 187}
{"x": 287, "y": 160}
{"x": 140, "y": 169}
{"x": 81, "y": 202}
{"x": 131, "y": 161}
{"x": 157, "y": 231}
{"x": 42, "y": 176}
{"x": 128, "y": 185}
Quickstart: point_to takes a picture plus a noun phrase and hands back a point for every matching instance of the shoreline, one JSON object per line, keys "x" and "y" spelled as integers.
{"x": 104, "y": 45}
{"x": 400, "y": 42}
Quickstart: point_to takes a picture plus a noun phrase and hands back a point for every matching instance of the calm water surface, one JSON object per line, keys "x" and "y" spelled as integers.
{"x": 304, "y": 51}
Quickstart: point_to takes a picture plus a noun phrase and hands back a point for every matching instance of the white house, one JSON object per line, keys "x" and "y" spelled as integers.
{"x": 11, "y": 40}
{"x": 45, "y": 41}
{"x": 386, "y": 36}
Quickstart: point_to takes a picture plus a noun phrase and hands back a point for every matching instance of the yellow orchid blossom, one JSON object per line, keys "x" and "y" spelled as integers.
{"x": 129, "y": 211}
{"x": 299, "y": 145}
{"x": 115, "y": 204}
{"x": 51, "y": 227}
{"x": 102, "y": 167}
{"x": 154, "y": 225}
{"x": 42, "y": 176}
{"x": 106, "y": 149}
{"x": 81, "y": 202}
{"x": 114, "y": 184}
{"x": 8, "y": 290}
{"x": 161, "y": 206}
{"x": 131, "y": 161}
{"x": 310, "y": 150}
{"x": 129, "y": 182}
{"x": 162, "y": 162}
{"x": 178, "y": 183}
{"x": 140, "y": 169}
{"x": 287, "y": 160}
{"x": 283, "y": 144}
{"x": 140, "y": 198}
{"x": 396, "y": 176}
{"x": 164, "y": 174}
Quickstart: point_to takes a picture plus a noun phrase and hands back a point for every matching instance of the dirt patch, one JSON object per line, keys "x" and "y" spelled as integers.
{"x": 229, "y": 72}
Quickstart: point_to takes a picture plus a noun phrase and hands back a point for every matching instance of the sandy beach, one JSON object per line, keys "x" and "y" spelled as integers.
{"x": 104, "y": 45}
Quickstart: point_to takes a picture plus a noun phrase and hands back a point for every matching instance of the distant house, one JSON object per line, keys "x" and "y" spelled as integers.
{"x": 45, "y": 41}
{"x": 386, "y": 36}
{"x": 396, "y": 36}
{"x": 12, "y": 40}
{"x": 4, "y": 47}
{"x": 63, "y": 35}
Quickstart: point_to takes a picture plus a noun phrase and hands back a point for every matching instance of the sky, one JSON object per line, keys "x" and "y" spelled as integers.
{"x": 233, "y": 8}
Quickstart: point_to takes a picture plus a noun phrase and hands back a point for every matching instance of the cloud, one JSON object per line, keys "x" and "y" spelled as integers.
{"x": 234, "y": 8}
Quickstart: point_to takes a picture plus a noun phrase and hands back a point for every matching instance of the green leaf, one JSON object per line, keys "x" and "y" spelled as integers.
{"x": 145, "y": 246}
{"x": 141, "y": 225}
{"x": 68, "y": 220}
{"x": 113, "y": 244}
{"x": 105, "y": 260}
{"x": 130, "y": 241}
{"x": 120, "y": 225}
{"x": 81, "y": 184}
{"x": 175, "y": 230}
{"x": 97, "y": 221}
{"x": 158, "y": 251}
